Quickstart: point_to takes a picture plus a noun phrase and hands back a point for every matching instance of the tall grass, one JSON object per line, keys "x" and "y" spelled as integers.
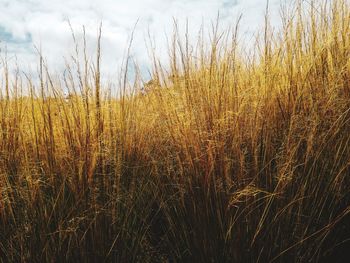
{"x": 231, "y": 154}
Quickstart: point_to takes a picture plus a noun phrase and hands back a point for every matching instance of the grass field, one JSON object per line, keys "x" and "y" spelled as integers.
{"x": 234, "y": 152}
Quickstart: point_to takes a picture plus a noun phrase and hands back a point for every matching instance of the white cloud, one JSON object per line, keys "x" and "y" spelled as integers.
{"x": 45, "y": 22}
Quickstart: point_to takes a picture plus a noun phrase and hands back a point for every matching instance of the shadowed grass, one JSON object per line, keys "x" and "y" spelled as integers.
{"x": 229, "y": 154}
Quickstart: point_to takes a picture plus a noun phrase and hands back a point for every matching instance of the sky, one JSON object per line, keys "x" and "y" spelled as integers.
{"x": 29, "y": 24}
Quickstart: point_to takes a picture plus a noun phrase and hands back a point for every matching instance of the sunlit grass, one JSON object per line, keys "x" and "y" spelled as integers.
{"x": 234, "y": 152}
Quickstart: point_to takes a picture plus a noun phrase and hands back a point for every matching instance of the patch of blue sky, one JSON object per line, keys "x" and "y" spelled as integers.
{"x": 9, "y": 38}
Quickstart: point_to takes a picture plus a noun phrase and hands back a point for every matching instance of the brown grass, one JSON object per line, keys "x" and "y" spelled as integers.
{"x": 230, "y": 155}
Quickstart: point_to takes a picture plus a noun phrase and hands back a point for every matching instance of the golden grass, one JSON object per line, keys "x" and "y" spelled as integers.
{"x": 229, "y": 156}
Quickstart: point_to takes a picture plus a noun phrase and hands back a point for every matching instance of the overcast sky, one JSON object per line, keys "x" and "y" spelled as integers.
{"x": 28, "y": 23}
